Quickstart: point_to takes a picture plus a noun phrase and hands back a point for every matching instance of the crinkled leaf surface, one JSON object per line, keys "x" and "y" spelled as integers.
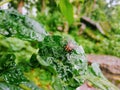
{"x": 32, "y": 60}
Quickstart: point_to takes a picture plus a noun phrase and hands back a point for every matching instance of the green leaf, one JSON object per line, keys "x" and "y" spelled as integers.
{"x": 46, "y": 65}
{"x": 18, "y": 47}
{"x": 67, "y": 10}
{"x": 14, "y": 24}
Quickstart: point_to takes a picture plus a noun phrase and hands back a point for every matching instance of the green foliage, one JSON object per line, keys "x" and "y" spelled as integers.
{"x": 67, "y": 10}
{"x": 107, "y": 45}
{"x": 6, "y": 61}
{"x": 57, "y": 50}
{"x": 5, "y": 86}
{"x": 48, "y": 65}
{"x": 91, "y": 40}
{"x": 12, "y": 45}
{"x": 69, "y": 65}
{"x": 51, "y": 22}
{"x": 24, "y": 27}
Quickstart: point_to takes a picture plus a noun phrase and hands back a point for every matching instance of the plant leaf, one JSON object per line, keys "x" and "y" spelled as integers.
{"x": 67, "y": 10}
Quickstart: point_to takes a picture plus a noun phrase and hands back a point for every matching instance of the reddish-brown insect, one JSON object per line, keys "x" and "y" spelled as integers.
{"x": 69, "y": 47}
